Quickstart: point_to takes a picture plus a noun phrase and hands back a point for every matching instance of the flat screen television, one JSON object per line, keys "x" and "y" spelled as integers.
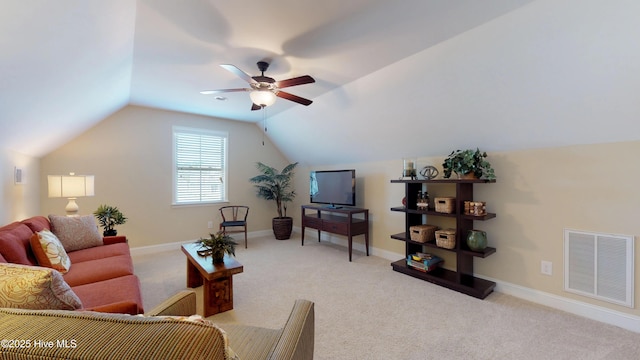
{"x": 333, "y": 187}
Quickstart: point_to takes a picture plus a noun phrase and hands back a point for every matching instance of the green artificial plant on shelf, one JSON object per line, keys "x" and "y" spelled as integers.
{"x": 108, "y": 217}
{"x": 468, "y": 163}
{"x": 217, "y": 245}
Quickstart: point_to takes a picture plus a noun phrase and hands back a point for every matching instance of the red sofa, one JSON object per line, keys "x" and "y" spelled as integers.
{"x": 102, "y": 276}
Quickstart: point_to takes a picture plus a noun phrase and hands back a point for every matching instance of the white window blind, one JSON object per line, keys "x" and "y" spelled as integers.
{"x": 199, "y": 166}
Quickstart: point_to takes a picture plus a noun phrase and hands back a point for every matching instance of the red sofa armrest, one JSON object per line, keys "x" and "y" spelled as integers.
{"x": 120, "y": 307}
{"x": 108, "y": 240}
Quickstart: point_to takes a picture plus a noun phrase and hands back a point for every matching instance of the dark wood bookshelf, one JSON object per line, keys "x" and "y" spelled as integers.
{"x": 462, "y": 279}
{"x": 470, "y": 285}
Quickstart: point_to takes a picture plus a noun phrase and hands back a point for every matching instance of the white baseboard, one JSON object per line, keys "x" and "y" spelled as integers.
{"x": 589, "y": 311}
{"x": 154, "y": 249}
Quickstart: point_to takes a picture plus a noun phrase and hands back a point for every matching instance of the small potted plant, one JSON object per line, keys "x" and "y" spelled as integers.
{"x": 109, "y": 217}
{"x": 468, "y": 164}
{"x": 276, "y": 185}
{"x": 217, "y": 245}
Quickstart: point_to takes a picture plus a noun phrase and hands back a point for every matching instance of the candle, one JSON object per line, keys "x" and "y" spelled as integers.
{"x": 409, "y": 167}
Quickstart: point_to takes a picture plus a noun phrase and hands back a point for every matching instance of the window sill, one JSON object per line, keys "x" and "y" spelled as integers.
{"x": 199, "y": 204}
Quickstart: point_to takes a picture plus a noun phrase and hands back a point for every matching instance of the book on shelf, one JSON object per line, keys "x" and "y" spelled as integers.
{"x": 424, "y": 262}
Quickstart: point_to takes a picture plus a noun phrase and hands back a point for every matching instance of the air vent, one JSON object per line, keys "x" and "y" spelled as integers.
{"x": 599, "y": 266}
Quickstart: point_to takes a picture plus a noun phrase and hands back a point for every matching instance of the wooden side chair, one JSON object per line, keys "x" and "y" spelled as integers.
{"x": 234, "y": 216}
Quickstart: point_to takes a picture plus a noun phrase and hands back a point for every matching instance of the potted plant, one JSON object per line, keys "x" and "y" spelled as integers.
{"x": 276, "y": 185}
{"x": 217, "y": 245}
{"x": 468, "y": 164}
{"x": 109, "y": 217}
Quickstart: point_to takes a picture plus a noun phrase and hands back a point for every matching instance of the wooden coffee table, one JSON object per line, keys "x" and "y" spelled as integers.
{"x": 216, "y": 278}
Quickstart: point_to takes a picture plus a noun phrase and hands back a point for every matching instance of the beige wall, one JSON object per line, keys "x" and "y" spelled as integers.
{"x": 18, "y": 201}
{"x": 130, "y": 154}
{"x": 538, "y": 194}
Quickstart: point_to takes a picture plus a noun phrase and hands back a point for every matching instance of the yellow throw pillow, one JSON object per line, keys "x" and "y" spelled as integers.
{"x": 49, "y": 251}
{"x": 36, "y": 288}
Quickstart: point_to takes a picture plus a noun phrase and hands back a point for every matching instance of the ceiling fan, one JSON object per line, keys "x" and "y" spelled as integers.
{"x": 264, "y": 89}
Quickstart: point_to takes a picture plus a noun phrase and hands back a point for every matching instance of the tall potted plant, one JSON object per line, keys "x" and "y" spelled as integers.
{"x": 109, "y": 217}
{"x": 276, "y": 185}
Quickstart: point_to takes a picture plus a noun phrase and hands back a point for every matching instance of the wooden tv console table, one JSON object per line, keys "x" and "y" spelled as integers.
{"x": 337, "y": 221}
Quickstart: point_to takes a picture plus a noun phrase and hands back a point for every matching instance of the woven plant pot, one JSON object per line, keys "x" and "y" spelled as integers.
{"x": 467, "y": 176}
{"x": 282, "y": 227}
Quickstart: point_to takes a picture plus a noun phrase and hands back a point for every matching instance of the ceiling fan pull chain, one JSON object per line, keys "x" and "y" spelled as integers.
{"x": 264, "y": 123}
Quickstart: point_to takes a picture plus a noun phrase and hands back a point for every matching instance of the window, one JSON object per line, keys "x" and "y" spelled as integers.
{"x": 199, "y": 158}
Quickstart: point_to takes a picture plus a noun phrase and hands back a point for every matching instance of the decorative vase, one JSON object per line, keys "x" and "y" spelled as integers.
{"x": 282, "y": 227}
{"x": 476, "y": 240}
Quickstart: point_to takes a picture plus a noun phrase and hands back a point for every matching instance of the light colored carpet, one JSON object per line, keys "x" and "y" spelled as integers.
{"x": 364, "y": 310}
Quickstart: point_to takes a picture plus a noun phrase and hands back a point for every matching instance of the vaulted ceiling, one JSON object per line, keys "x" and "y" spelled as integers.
{"x": 393, "y": 78}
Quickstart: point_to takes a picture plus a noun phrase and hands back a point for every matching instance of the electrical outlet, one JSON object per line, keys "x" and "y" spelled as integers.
{"x": 210, "y": 225}
{"x": 546, "y": 267}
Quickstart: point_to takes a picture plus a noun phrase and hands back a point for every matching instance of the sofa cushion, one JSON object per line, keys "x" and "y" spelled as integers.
{"x": 98, "y": 270}
{"x": 37, "y": 223}
{"x": 49, "y": 251}
{"x": 99, "y": 252}
{"x": 34, "y": 287}
{"x": 252, "y": 342}
{"x": 110, "y": 336}
{"x": 198, "y": 319}
{"x": 14, "y": 244}
{"x": 76, "y": 232}
{"x": 121, "y": 292}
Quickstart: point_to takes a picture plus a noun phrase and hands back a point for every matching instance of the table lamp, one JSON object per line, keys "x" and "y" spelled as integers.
{"x": 70, "y": 186}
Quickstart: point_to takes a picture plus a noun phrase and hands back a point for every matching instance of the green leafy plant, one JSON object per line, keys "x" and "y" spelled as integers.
{"x": 109, "y": 217}
{"x": 463, "y": 162}
{"x": 275, "y": 185}
{"x": 217, "y": 245}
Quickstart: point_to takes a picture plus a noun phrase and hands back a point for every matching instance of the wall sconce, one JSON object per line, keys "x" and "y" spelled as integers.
{"x": 71, "y": 187}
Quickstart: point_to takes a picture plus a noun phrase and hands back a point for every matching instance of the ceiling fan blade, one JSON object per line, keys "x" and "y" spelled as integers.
{"x": 300, "y": 80}
{"x": 209, "y": 92}
{"x": 294, "y": 98}
{"x": 255, "y": 107}
{"x": 246, "y": 77}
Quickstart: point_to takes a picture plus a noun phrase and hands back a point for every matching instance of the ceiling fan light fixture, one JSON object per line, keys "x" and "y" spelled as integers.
{"x": 263, "y": 97}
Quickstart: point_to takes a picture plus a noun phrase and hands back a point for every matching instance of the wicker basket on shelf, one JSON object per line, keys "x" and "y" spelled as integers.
{"x": 445, "y": 205}
{"x": 446, "y": 238}
{"x": 423, "y": 233}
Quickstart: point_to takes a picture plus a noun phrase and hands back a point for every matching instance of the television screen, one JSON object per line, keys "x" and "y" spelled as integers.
{"x": 333, "y": 187}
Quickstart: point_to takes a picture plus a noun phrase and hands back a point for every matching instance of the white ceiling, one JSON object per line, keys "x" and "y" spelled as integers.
{"x": 389, "y": 74}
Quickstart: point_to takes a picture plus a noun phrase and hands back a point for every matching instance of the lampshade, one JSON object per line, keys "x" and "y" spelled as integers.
{"x": 71, "y": 187}
{"x": 263, "y": 97}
